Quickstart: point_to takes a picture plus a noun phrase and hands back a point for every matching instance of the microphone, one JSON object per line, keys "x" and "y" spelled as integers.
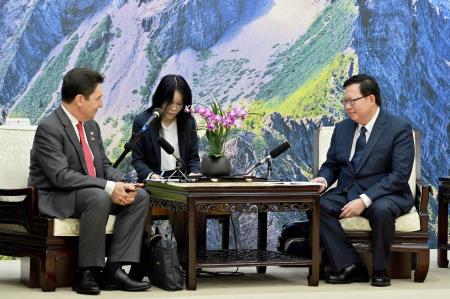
{"x": 157, "y": 113}
{"x": 275, "y": 153}
{"x": 169, "y": 149}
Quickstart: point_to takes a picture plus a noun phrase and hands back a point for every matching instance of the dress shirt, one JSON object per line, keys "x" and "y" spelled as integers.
{"x": 170, "y": 134}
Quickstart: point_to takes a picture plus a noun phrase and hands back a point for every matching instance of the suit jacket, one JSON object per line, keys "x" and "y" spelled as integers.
{"x": 386, "y": 165}
{"x": 57, "y": 165}
{"x": 146, "y": 155}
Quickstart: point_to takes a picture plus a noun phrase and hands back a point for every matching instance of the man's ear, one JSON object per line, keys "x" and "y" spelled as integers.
{"x": 79, "y": 100}
{"x": 372, "y": 99}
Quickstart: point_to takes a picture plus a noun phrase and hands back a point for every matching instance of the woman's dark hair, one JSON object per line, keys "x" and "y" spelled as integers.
{"x": 164, "y": 94}
{"x": 367, "y": 86}
{"x": 79, "y": 81}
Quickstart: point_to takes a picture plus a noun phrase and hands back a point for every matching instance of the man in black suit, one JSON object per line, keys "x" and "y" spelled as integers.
{"x": 371, "y": 156}
{"x": 75, "y": 179}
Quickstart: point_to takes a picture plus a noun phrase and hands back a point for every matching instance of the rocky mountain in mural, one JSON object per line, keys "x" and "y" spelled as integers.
{"x": 284, "y": 60}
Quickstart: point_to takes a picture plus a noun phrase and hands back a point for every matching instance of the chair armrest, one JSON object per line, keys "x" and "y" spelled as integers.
{"x": 20, "y": 212}
{"x": 423, "y": 191}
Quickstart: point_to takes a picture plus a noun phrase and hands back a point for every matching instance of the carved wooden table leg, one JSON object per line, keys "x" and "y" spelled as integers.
{"x": 262, "y": 238}
{"x": 191, "y": 274}
{"x": 314, "y": 269}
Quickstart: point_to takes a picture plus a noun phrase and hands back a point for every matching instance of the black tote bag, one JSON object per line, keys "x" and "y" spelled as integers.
{"x": 164, "y": 270}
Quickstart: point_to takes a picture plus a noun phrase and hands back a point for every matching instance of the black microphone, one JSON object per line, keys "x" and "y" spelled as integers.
{"x": 275, "y": 152}
{"x": 168, "y": 149}
{"x": 157, "y": 113}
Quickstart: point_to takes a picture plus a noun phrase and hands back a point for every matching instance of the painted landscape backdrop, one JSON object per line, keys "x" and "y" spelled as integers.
{"x": 285, "y": 60}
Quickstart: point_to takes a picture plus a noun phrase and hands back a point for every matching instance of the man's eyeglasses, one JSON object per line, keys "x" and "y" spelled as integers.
{"x": 351, "y": 101}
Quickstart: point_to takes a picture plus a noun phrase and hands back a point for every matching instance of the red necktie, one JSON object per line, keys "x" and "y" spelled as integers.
{"x": 88, "y": 157}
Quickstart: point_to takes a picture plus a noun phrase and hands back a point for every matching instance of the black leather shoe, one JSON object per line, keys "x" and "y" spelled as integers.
{"x": 84, "y": 283}
{"x": 381, "y": 280}
{"x": 119, "y": 280}
{"x": 353, "y": 273}
{"x": 137, "y": 272}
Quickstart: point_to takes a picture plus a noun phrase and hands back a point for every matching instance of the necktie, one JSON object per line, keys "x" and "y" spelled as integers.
{"x": 359, "y": 148}
{"x": 88, "y": 157}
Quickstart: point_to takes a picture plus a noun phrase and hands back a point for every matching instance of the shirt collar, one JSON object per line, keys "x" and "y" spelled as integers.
{"x": 371, "y": 123}
{"x": 169, "y": 127}
{"x": 72, "y": 118}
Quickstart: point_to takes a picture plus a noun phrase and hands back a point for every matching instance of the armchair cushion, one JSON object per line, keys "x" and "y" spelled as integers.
{"x": 406, "y": 223}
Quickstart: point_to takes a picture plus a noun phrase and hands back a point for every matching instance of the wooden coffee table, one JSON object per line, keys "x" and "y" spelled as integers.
{"x": 247, "y": 197}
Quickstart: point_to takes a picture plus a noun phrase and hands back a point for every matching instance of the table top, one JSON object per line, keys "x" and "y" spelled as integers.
{"x": 243, "y": 184}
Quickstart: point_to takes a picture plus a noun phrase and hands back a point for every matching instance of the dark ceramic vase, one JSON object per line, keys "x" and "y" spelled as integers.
{"x": 215, "y": 167}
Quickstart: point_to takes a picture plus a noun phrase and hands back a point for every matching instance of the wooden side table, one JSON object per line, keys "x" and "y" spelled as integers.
{"x": 443, "y": 200}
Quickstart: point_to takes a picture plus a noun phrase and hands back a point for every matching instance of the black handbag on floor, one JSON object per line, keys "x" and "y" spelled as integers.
{"x": 159, "y": 262}
{"x": 164, "y": 267}
{"x": 294, "y": 239}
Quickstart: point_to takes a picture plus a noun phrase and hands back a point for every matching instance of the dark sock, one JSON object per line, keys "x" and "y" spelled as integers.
{"x": 378, "y": 273}
{"x": 111, "y": 267}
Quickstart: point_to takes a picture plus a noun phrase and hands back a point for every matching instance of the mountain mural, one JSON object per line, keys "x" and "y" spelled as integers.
{"x": 284, "y": 60}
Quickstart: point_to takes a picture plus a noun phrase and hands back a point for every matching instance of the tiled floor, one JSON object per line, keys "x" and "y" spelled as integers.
{"x": 277, "y": 283}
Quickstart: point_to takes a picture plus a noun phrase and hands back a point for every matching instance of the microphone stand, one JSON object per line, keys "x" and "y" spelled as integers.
{"x": 269, "y": 169}
{"x": 128, "y": 147}
{"x": 178, "y": 171}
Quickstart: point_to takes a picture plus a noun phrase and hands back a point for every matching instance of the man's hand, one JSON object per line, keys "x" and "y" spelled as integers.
{"x": 353, "y": 208}
{"x": 123, "y": 193}
{"x": 321, "y": 181}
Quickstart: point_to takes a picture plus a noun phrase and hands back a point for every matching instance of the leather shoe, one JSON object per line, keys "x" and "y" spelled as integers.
{"x": 381, "y": 280}
{"x": 84, "y": 283}
{"x": 119, "y": 280}
{"x": 353, "y": 273}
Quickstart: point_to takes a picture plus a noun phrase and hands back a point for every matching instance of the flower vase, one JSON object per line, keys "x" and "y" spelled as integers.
{"x": 215, "y": 166}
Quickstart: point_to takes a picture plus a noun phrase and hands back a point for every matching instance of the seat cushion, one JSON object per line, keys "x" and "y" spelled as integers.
{"x": 69, "y": 227}
{"x": 406, "y": 223}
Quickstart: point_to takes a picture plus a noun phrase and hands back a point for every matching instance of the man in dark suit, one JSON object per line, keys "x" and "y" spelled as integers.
{"x": 75, "y": 179}
{"x": 371, "y": 156}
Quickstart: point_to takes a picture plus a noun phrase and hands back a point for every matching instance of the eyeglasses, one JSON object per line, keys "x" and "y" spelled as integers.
{"x": 175, "y": 105}
{"x": 351, "y": 101}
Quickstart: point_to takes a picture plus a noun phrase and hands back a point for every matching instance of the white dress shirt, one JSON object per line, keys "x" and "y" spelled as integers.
{"x": 170, "y": 134}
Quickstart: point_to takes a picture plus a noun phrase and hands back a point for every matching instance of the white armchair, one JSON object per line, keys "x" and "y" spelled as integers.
{"x": 47, "y": 246}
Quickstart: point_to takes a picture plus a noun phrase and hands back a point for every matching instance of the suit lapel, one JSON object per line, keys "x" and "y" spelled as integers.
{"x": 349, "y": 141}
{"x": 181, "y": 144}
{"x": 154, "y": 134}
{"x": 70, "y": 131}
{"x": 375, "y": 135}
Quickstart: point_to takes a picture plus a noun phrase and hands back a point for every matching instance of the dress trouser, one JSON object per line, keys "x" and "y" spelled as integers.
{"x": 340, "y": 252}
{"x": 93, "y": 207}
